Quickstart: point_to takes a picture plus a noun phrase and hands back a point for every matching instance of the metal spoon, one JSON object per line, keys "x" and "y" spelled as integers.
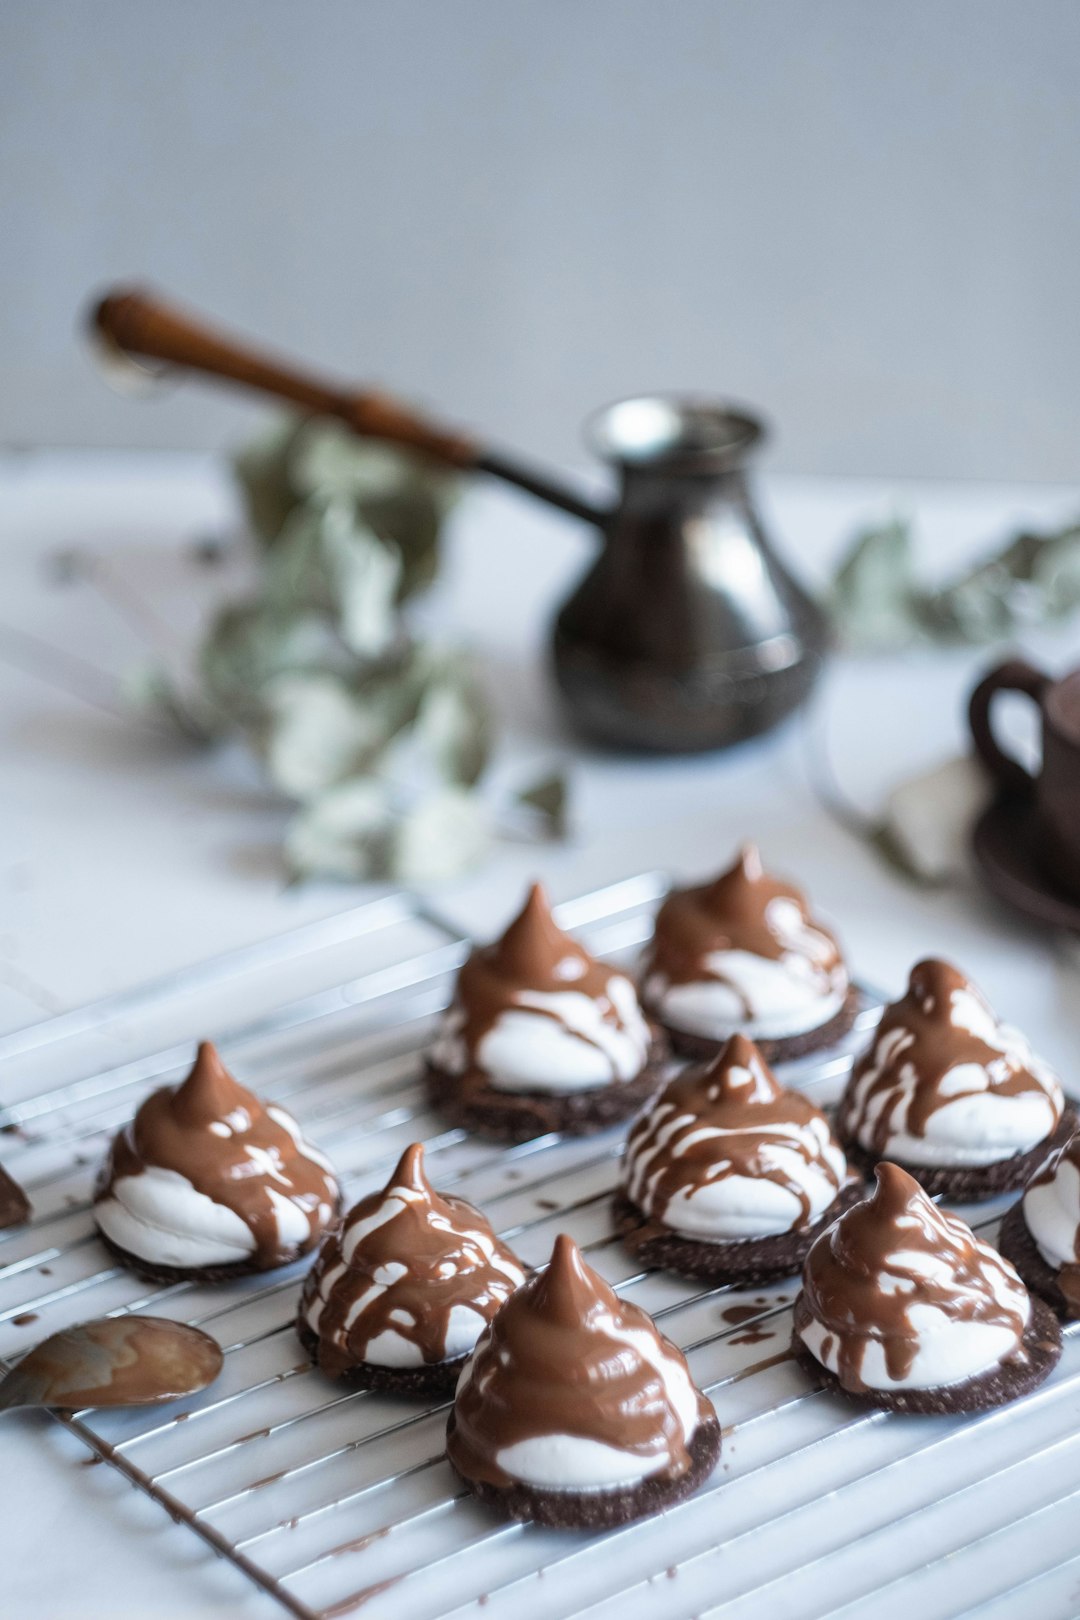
{"x": 114, "y": 1361}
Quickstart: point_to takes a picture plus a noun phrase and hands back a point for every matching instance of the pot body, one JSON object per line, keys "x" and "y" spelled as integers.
{"x": 687, "y": 633}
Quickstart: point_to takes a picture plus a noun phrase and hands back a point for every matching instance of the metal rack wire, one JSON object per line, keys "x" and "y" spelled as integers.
{"x": 333, "y": 1500}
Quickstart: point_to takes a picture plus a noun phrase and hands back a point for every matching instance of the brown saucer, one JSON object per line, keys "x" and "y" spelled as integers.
{"x": 1005, "y": 843}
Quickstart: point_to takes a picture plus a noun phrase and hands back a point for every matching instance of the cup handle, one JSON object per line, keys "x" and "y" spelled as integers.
{"x": 1013, "y": 676}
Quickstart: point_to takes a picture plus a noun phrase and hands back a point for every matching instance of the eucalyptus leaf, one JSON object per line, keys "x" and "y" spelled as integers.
{"x": 151, "y": 690}
{"x": 326, "y": 561}
{"x": 1035, "y": 580}
{"x": 444, "y": 834}
{"x": 398, "y": 495}
{"x": 548, "y": 798}
{"x": 412, "y": 518}
{"x": 261, "y": 468}
{"x": 325, "y": 458}
{"x": 453, "y": 725}
{"x": 249, "y": 646}
{"x": 878, "y": 602}
{"x": 381, "y": 739}
{"x": 345, "y": 833}
{"x": 364, "y": 574}
{"x": 317, "y": 734}
{"x": 874, "y": 597}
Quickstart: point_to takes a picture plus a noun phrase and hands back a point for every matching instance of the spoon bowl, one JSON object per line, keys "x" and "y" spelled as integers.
{"x": 114, "y": 1361}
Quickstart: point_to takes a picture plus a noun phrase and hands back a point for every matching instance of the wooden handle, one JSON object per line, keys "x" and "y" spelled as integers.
{"x": 140, "y": 324}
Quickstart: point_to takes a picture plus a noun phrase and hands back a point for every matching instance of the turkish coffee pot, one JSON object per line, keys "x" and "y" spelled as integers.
{"x": 686, "y": 633}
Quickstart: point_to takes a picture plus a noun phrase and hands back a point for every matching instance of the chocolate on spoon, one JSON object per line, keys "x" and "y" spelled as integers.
{"x": 114, "y": 1361}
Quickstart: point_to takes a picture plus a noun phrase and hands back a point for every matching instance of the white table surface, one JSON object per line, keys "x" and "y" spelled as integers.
{"x": 124, "y": 855}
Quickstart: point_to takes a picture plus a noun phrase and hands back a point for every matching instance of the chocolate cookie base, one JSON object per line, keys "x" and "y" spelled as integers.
{"x": 517, "y": 1116}
{"x": 150, "y": 1271}
{"x": 968, "y": 1183}
{"x": 750, "y": 1262}
{"x": 433, "y": 1379}
{"x": 1007, "y": 1382}
{"x": 782, "y": 1050}
{"x": 600, "y": 1510}
{"x": 1018, "y": 1246}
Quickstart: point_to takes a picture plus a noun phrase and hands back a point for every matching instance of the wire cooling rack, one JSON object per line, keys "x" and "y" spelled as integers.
{"x": 337, "y": 1501}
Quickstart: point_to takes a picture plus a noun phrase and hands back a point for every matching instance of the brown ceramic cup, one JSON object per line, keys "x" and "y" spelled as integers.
{"x": 1055, "y": 790}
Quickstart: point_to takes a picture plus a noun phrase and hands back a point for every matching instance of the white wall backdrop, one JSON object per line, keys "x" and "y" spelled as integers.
{"x": 863, "y": 215}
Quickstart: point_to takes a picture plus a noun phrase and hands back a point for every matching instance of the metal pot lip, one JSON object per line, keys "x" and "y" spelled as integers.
{"x": 674, "y": 433}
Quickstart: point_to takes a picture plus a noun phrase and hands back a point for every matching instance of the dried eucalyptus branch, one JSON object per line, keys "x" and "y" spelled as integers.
{"x": 878, "y": 601}
{"x": 381, "y": 739}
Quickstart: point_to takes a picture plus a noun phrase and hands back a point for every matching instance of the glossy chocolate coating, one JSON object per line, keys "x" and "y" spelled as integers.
{"x": 402, "y": 1260}
{"x": 234, "y": 1149}
{"x": 556, "y": 1362}
{"x": 534, "y": 954}
{"x": 737, "y": 912}
{"x": 916, "y": 1045}
{"x": 893, "y": 1253}
{"x": 721, "y": 1119}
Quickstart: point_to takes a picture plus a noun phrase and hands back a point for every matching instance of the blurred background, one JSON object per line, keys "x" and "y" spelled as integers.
{"x": 862, "y": 217}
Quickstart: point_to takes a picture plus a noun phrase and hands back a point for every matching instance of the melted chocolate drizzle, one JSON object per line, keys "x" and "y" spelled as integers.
{"x": 233, "y": 1148}
{"x": 533, "y": 955}
{"x": 863, "y": 1277}
{"x": 737, "y": 1095}
{"x": 555, "y": 1362}
{"x": 432, "y": 1253}
{"x": 738, "y": 912}
{"x": 918, "y": 1040}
